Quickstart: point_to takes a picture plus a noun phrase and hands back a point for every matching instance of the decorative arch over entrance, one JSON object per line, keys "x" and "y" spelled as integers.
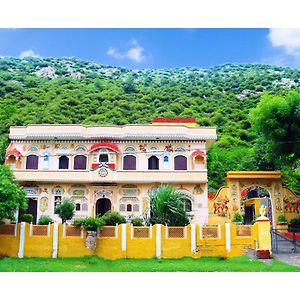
{"x": 240, "y": 190}
{"x": 102, "y": 206}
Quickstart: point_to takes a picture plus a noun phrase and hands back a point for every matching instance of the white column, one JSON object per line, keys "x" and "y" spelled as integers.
{"x": 55, "y": 240}
{"x": 219, "y": 231}
{"x": 22, "y": 239}
{"x": 193, "y": 238}
{"x": 200, "y": 231}
{"x": 82, "y": 231}
{"x": 227, "y": 236}
{"x": 123, "y": 237}
{"x": 158, "y": 240}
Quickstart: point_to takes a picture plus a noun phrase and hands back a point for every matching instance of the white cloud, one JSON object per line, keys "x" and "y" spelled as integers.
{"x": 28, "y": 53}
{"x": 288, "y": 39}
{"x": 135, "y": 53}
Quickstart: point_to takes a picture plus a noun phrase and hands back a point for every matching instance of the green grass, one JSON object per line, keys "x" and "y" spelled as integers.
{"x": 96, "y": 264}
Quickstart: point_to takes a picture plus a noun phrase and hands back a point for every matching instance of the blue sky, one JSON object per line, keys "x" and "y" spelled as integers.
{"x": 157, "y": 48}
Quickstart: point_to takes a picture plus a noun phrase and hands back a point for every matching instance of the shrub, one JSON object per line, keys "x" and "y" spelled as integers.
{"x": 45, "y": 220}
{"x": 137, "y": 221}
{"x": 113, "y": 218}
{"x": 93, "y": 223}
{"x": 27, "y": 218}
{"x": 167, "y": 206}
{"x": 65, "y": 210}
{"x": 78, "y": 222}
{"x": 238, "y": 218}
{"x": 295, "y": 223}
{"x": 282, "y": 219}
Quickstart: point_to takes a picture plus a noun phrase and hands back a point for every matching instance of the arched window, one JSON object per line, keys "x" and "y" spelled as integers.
{"x": 153, "y": 163}
{"x": 199, "y": 162}
{"x": 103, "y": 158}
{"x": 129, "y": 162}
{"x": 79, "y": 162}
{"x": 136, "y": 207}
{"x": 84, "y": 207}
{"x": 180, "y": 162}
{"x": 32, "y": 162}
{"x": 46, "y": 161}
{"x": 122, "y": 207}
{"x": 78, "y": 206}
{"x": 63, "y": 163}
{"x": 188, "y": 205}
{"x": 129, "y": 207}
{"x": 166, "y": 158}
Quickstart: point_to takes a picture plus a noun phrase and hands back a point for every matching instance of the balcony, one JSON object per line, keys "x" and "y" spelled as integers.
{"x": 107, "y": 175}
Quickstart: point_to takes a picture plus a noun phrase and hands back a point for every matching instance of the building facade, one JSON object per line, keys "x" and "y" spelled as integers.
{"x": 114, "y": 168}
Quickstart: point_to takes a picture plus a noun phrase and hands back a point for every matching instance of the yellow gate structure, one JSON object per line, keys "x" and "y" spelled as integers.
{"x": 246, "y": 191}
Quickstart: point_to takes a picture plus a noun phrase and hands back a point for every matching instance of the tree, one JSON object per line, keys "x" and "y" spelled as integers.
{"x": 12, "y": 197}
{"x": 167, "y": 206}
{"x": 276, "y": 121}
{"x": 65, "y": 210}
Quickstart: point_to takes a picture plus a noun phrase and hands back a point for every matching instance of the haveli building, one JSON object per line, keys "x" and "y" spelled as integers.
{"x": 114, "y": 168}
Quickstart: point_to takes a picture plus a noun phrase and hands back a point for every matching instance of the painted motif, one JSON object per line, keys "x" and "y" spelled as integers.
{"x": 221, "y": 206}
{"x": 44, "y": 203}
{"x": 198, "y": 189}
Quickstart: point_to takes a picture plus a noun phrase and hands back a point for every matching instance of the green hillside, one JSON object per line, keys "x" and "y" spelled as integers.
{"x": 68, "y": 90}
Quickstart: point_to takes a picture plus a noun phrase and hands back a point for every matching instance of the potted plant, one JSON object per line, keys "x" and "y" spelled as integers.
{"x": 263, "y": 254}
{"x": 238, "y": 218}
{"x": 92, "y": 224}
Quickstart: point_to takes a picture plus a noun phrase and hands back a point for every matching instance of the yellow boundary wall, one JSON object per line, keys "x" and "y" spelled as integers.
{"x": 192, "y": 244}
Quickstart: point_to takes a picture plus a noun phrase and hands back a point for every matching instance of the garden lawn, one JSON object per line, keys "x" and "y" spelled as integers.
{"x": 96, "y": 264}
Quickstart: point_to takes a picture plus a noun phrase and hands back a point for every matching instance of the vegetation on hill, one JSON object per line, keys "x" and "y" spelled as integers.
{"x": 68, "y": 90}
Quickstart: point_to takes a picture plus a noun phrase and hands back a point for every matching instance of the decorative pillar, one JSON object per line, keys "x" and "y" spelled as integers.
{"x": 124, "y": 227}
{"x": 158, "y": 240}
{"x": 193, "y": 238}
{"x": 227, "y": 237}
{"x": 22, "y": 240}
{"x": 263, "y": 233}
{"x": 55, "y": 240}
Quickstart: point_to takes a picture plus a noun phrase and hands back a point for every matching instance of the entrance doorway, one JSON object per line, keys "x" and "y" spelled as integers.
{"x": 249, "y": 214}
{"x": 32, "y": 209}
{"x": 102, "y": 206}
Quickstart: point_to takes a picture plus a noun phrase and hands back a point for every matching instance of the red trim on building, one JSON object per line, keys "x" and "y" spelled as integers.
{"x": 199, "y": 152}
{"x": 13, "y": 152}
{"x": 174, "y": 120}
{"x": 110, "y": 146}
{"x": 95, "y": 165}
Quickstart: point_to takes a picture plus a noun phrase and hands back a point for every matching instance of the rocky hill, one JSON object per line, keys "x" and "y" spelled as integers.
{"x": 69, "y": 90}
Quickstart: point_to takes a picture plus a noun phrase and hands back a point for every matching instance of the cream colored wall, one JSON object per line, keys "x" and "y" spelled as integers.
{"x": 45, "y": 190}
{"x": 142, "y": 158}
